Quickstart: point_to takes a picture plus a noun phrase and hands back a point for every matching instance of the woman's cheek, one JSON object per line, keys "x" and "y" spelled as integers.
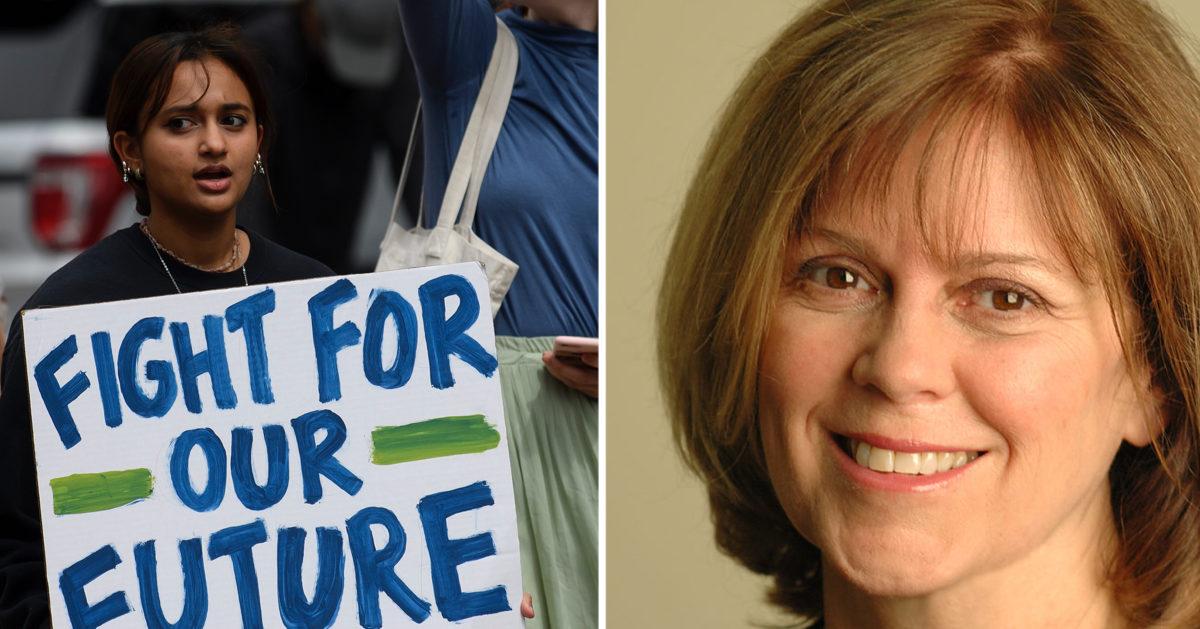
{"x": 806, "y": 353}
{"x": 805, "y": 365}
{"x": 1028, "y": 390}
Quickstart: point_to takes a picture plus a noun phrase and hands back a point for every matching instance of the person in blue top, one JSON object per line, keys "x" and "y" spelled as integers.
{"x": 538, "y": 206}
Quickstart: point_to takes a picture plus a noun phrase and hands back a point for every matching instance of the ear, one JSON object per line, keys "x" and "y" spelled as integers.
{"x": 1148, "y": 418}
{"x": 128, "y": 149}
{"x": 258, "y": 146}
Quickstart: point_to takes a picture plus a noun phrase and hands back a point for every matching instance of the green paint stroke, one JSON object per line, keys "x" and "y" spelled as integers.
{"x": 442, "y": 436}
{"x": 88, "y": 493}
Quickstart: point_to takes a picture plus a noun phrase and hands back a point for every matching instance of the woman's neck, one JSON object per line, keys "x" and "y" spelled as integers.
{"x": 1060, "y": 583}
{"x": 205, "y": 242}
{"x": 583, "y": 15}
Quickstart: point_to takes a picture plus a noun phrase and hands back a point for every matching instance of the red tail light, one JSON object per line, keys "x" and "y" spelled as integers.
{"x": 73, "y": 199}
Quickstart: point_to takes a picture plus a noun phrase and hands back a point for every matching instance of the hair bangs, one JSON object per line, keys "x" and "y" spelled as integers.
{"x": 995, "y": 112}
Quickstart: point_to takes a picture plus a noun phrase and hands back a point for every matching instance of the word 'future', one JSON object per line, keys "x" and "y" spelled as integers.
{"x": 374, "y": 571}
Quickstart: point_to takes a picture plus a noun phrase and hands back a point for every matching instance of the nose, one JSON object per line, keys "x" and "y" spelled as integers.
{"x": 909, "y": 359}
{"x": 212, "y": 140}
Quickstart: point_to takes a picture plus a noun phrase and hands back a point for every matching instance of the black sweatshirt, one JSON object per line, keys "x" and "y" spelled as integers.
{"x": 122, "y": 266}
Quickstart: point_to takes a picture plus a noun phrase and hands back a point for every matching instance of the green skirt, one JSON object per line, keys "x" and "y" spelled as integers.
{"x": 553, "y": 446}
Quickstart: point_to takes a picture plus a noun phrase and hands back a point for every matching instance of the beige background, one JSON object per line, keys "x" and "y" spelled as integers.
{"x": 671, "y": 63}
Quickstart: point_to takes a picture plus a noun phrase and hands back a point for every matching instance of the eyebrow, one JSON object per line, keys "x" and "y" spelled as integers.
{"x": 190, "y": 108}
{"x": 962, "y": 262}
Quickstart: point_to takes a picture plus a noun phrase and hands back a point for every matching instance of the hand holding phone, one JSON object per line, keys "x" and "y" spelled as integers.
{"x": 578, "y": 350}
{"x": 575, "y": 361}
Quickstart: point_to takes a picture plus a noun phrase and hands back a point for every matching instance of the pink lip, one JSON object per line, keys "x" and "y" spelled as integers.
{"x": 215, "y": 186}
{"x": 900, "y": 483}
{"x": 904, "y": 445}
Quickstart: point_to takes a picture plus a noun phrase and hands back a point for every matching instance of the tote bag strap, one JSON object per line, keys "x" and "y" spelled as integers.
{"x": 483, "y": 128}
{"x": 408, "y": 155}
{"x": 493, "y": 119}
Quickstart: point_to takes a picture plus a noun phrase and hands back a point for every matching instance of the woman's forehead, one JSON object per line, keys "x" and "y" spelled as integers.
{"x": 204, "y": 80}
{"x": 956, "y": 192}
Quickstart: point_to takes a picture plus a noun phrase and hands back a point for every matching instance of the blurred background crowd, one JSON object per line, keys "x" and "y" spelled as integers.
{"x": 343, "y": 90}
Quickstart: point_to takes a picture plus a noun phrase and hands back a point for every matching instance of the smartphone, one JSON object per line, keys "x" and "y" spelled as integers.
{"x": 569, "y": 349}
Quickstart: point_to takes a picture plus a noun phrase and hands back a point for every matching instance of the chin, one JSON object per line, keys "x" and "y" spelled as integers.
{"x": 893, "y": 581}
{"x": 894, "y": 563}
{"x": 219, "y": 205}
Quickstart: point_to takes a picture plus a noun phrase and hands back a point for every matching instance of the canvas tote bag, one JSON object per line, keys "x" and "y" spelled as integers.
{"x": 453, "y": 240}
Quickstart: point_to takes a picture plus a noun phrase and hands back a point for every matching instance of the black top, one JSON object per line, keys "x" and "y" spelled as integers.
{"x": 122, "y": 266}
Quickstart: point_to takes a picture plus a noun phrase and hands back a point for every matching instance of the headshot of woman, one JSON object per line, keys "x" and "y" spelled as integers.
{"x": 929, "y": 332}
{"x": 189, "y": 128}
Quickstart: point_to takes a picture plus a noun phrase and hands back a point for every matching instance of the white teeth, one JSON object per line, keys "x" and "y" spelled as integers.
{"x": 882, "y": 460}
{"x": 908, "y": 463}
{"x": 862, "y": 453}
{"x": 928, "y": 463}
{"x": 911, "y": 463}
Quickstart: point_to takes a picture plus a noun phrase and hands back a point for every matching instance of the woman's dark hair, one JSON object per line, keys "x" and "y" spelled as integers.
{"x": 143, "y": 80}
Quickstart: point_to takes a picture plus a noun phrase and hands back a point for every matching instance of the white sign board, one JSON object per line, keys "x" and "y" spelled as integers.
{"x": 328, "y": 452}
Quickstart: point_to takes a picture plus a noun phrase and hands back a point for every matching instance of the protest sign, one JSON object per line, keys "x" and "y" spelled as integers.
{"x": 328, "y": 452}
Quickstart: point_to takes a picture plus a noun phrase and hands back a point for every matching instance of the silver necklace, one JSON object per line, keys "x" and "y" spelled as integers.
{"x": 233, "y": 253}
{"x": 156, "y": 247}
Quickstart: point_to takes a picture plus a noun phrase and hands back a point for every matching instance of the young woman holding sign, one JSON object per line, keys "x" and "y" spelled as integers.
{"x": 189, "y": 127}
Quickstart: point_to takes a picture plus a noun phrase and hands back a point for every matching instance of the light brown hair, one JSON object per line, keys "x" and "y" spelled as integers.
{"x": 1104, "y": 103}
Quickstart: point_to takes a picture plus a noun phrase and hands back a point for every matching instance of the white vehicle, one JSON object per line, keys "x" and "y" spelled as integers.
{"x": 59, "y": 191}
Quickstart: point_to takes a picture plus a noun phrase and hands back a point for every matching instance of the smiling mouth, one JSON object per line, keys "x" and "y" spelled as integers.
{"x": 899, "y": 462}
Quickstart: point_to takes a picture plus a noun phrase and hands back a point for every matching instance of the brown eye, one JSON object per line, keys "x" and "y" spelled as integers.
{"x": 841, "y": 278}
{"x": 1007, "y": 300}
{"x": 833, "y": 280}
